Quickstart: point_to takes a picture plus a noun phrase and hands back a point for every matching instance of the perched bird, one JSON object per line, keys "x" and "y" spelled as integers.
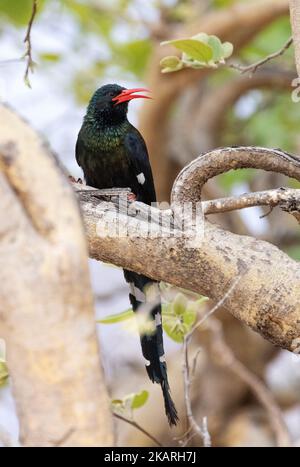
{"x": 112, "y": 153}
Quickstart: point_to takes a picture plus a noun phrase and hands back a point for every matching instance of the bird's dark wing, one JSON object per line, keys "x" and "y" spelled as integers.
{"x": 79, "y": 150}
{"x": 137, "y": 154}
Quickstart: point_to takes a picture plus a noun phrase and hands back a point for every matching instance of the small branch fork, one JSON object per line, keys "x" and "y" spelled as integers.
{"x": 254, "y": 66}
{"x": 27, "y": 40}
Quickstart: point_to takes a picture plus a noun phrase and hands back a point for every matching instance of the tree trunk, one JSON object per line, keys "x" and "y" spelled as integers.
{"x": 46, "y": 306}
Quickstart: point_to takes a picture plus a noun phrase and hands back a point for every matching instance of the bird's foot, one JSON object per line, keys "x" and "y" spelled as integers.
{"x": 131, "y": 197}
{"x": 73, "y": 179}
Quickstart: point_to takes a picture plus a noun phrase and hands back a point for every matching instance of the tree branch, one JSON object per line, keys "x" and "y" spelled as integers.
{"x": 286, "y": 198}
{"x": 138, "y": 427}
{"x": 28, "y": 54}
{"x": 254, "y": 66}
{"x": 268, "y": 295}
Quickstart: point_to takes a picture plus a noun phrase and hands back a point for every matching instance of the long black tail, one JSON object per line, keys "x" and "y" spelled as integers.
{"x": 152, "y": 344}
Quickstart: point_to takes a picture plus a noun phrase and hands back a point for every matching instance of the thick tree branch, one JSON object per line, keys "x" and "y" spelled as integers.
{"x": 267, "y": 297}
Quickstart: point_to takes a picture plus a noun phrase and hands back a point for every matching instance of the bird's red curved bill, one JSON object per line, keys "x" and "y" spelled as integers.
{"x": 128, "y": 94}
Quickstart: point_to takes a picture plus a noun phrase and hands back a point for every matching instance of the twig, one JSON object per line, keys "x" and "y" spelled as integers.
{"x": 278, "y": 197}
{"x": 225, "y": 357}
{"x": 203, "y": 430}
{"x": 216, "y": 307}
{"x": 138, "y": 427}
{"x": 254, "y": 66}
{"x": 266, "y": 214}
{"x": 195, "y": 360}
{"x": 64, "y": 438}
{"x": 28, "y": 54}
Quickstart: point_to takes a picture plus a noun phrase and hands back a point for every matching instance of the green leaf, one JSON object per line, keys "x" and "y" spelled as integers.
{"x": 175, "y": 326}
{"x": 18, "y": 11}
{"x": 171, "y": 63}
{"x": 216, "y": 45}
{"x": 117, "y": 402}
{"x": 180, "y": 315}
{"x": 201, "y": 36}
{"x": 50, "y": 57}
{"x": 3, "y": 367}
{"x": 194, "y": 48}
{"x": 3, "y": 373}
{"x": 130, "y": 402}
{"x": 179, "y": 304}
{"x": 227, "y": 49}
{"x": 117, "y": 317}
{"x": 138, "y": 399}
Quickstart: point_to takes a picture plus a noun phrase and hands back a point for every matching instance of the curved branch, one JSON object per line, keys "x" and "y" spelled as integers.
{"x": 189, "y": 183}
{"x": 267, "y": 298}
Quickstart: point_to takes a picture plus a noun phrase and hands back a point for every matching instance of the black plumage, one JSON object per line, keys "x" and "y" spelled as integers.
{"x": 112, "y": 153}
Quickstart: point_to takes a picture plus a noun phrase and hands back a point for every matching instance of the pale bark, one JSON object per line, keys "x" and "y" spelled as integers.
{"x": 46, "y": 307}
{"x": 267, "y": 297}
{"x": 295, "y": 23}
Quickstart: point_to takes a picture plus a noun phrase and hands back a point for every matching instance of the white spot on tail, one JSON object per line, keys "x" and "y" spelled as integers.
{"x": 137, "y": 293}
{"x": 141, "y": 178}
{"x": 162, "y": 359}
{"x": 158, "y": 319}
{"x": 147, "y": 362}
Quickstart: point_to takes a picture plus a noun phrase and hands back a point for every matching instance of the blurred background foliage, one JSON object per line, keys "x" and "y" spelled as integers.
{"x": 78, "y": 45}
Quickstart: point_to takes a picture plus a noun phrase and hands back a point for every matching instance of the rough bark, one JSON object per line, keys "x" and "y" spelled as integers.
{"x": 267, "y": 296}
{"x": 46, "y": 307}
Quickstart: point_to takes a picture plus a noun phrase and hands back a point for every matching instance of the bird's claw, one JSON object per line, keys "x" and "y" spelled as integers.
{"x": 73, "y": 179}
{"x": 131, "y": 197}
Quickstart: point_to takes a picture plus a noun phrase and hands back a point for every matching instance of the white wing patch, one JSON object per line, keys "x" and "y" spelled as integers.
{"x": 141, "y": 178}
